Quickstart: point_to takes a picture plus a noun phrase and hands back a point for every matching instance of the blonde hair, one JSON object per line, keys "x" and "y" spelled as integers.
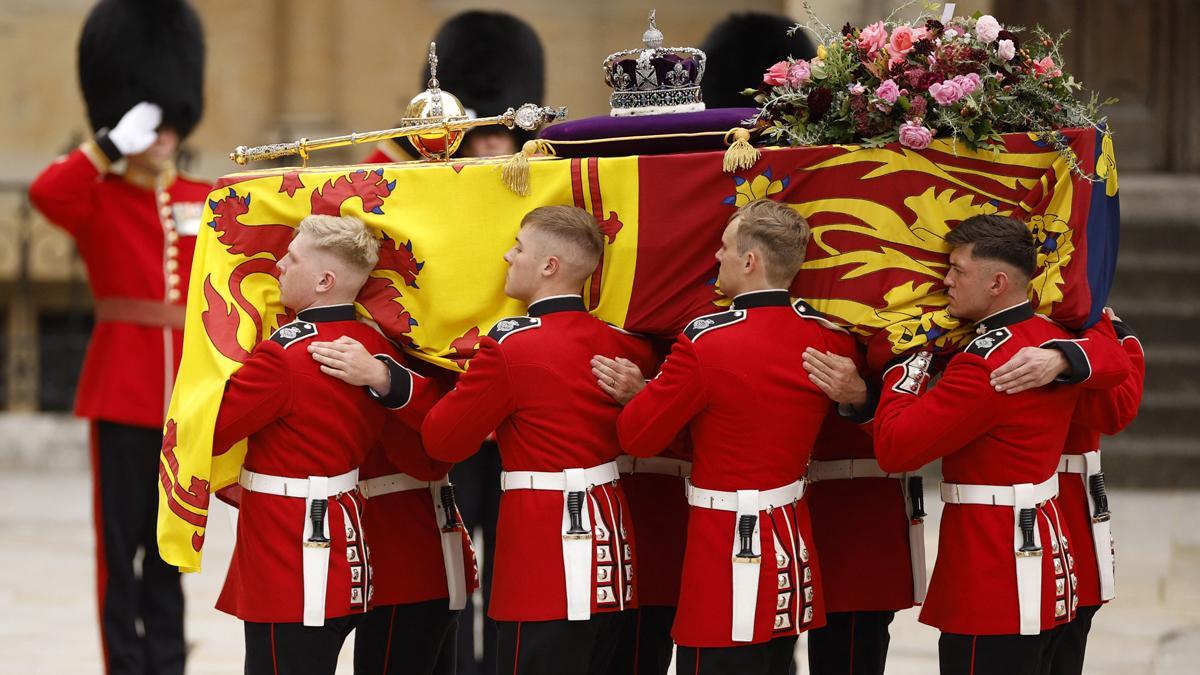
{"x": 776, "y": 230}
{"x": 574, "y": 227}
{"x": 346, "y": 237}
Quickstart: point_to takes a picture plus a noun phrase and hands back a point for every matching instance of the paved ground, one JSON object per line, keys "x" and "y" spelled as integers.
{"x": 47, "y": 623}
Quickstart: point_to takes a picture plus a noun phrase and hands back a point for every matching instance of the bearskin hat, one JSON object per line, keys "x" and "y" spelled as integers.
{"x": 741, "y": 48}
{"x": 142, "y": 50}
{"x": 491, "y": 61}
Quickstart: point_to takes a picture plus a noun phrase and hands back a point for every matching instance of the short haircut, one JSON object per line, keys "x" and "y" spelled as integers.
{"x": 777, "y": 231}
{"x": 573, "y": 227}
{"x": 345, "y": 237}
{"x": 997, "y": 238}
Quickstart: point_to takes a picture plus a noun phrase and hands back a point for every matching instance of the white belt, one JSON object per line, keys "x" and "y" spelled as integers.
{"x": 844, "y": 469}
{"x": 666, "y": 466}
{"x": 745, "y": 503}
{"x": 576, "y": 548}
{"x": 297, "y": 487}
{"x": 557, "y": 480}
{"x": 1028, "y": 565}
{"x": 315, "y": 558}
{"x": 728, "y": 501}
{"x": 451, "y": 537}
{"x": 1088, "y": 465}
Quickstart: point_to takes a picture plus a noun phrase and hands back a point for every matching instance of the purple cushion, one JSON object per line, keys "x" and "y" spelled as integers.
{"x": 599, "y": 132}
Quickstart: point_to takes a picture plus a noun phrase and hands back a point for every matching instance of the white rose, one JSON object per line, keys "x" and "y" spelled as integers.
{"x": 1006, "y": 50}
{"x": 987, "y": 28}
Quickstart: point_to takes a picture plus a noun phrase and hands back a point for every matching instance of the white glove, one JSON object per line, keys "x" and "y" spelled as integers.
{"x": 138, "y": 129}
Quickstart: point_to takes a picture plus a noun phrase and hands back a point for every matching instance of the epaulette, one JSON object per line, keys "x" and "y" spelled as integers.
{"x": 807, "y": 311}
{"x": 701, "y": 325}
{"x": 511, "y": 326}
{"x": 293, "y": 332}
{"x": 985, "y": 344}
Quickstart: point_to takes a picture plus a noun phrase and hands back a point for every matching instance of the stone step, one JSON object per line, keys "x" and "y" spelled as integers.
{"x": 1147, "y": 275}
{"x": 1159, "y": 462}
{"x": 1145, "y": 235}
{"x": 1167, "y": 415}
{"x": 1163, "y": 321}
{"x": 1173, "y": 370}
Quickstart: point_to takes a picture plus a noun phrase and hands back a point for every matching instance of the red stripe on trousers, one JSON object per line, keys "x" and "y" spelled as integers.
{"x": 274, "y": 660}
{"x": 973, "y": 639}
{"x": 98, "y": 528}
{"x": 517, "y": 650}
{"x": 387, "y": 653}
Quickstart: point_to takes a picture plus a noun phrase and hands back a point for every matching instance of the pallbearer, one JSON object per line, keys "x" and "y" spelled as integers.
{"x": 736, "y": 381}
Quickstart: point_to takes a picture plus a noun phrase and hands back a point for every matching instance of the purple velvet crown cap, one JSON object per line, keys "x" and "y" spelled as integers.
{"x": 602, "y": 135}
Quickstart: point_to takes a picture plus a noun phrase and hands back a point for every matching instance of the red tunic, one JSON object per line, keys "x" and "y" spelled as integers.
{"x": 136, "y": 238}
{"x": 299, "y": 423}
{"x": 406, "y": 549}
{"x": 531, "y": 382}
{"x": 860, "y": 528}
{"x": 658, "y": 505}
{"x": 736, "y": 380}
{"x": 389, "y": 151}
{"x": 1099, "y": 411}
{"x": 986, "y": 438}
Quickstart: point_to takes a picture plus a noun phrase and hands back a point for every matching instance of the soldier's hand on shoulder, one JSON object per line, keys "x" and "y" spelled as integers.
{"x": 620, "y": 378}
{"x": 349, "y": 361}
{"x": 1029, "y": 368}
{"x": 835, "y": 375}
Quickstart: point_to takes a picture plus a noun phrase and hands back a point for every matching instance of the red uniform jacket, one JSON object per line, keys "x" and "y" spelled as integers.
{"x": 860, "y": 528}
{"x": 531, "y": 382}
{"x": 300, "y": 423}
{"x": 136, "y": 238}
{"x": 1099, "y": 411}
{"x": 987, "y": 438}
{"x": 736, "y": 380}
{"x": 391, "y": 150}
{"x": 405, "y": 535}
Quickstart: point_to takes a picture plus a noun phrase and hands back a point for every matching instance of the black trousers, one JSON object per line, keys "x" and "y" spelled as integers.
{"x": 477, "y": 491}
{"x": 296, "y": 649}
{"x": 413, "y": 639}
{"x": 765, "y": 658}
{"x": 1071, "y": 643}
{"x": 850, "y": 643}
{"x": 993, "y": 654}
{"x": 141, "y": 611}
{"x": 644, "y": 646}
{"x": 558, "y": 647}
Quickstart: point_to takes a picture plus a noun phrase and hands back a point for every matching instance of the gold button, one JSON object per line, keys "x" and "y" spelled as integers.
{"x": 172, "y": 265}
{"x": 165, "y": 211}
{"x": 164, "y": 198}
{"x": 173, "y": 294}
{"x": 173, "y": 279}
{"x": 169, "y": 225}
{"x": 172, "y": 235}
{"x": 172, "y": 251}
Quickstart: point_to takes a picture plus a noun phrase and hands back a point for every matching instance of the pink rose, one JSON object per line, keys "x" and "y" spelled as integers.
{"x": 873, "y": 38}
{"x": 902, "y": 40}
{"x": 777, "y": 74}
{"x": 915, "y": 135}
{"x": 888, "y": 91}
{"x": 969, "y": 82}
{"x": 798, "y": 74}
{"x": 946, "y": 93}
{"x": 1046, "y": 67}
{"x": 857, "y": 89}
{"x": 987, "y": 28}
{"x": 1006, "y": 50}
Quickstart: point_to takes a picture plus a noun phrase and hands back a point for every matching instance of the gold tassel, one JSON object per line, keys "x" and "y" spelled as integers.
{"x": 516, "y": 170}
{"x": 740, "y": 155}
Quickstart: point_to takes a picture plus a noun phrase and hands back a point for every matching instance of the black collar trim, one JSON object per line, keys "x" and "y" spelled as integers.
{"x": 557, "y": 303}
{"x": 328, "y": 313}
{"x": 1005, "y": 317}
{"x": 767, "y": 298}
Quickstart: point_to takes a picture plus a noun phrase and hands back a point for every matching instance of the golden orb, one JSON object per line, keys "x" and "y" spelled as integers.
{"x": 435, "y": 105}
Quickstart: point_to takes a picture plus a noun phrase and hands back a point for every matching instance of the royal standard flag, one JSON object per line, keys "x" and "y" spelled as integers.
{"x": 875, "y": 262}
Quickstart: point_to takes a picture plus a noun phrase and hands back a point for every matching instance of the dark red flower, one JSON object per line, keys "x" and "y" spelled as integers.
{"x": 934, "y": 27}
{"x": 819, "y": 100}
{"x": 847, "y": 29}
{"x": 919, "y": 105}
{"x": 924, "y": 47}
